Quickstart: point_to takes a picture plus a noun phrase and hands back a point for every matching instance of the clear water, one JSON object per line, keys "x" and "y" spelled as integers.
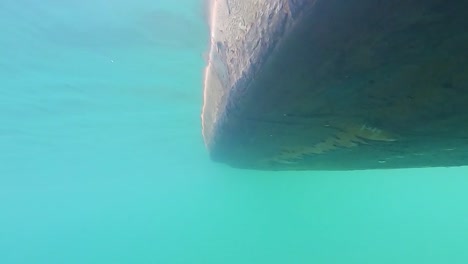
{"x": 102, "y": 159}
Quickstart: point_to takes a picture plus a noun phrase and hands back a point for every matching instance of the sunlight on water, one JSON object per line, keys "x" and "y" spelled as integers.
{"x": 103, "y": 160}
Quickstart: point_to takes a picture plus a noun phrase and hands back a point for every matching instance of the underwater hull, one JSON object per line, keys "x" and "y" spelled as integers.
{"x": 337, "y": 85}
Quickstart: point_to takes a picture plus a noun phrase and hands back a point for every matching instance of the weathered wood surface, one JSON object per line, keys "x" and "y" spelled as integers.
{"x": 337, "y": 85}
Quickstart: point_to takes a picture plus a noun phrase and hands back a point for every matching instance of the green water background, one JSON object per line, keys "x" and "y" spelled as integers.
{"x": 102, "y": 159}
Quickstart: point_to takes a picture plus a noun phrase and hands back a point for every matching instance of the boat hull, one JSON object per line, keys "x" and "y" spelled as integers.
{"x": 337, "y": 85}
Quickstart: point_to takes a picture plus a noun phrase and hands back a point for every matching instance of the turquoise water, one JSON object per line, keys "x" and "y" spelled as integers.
{"x": 103, "y": 161}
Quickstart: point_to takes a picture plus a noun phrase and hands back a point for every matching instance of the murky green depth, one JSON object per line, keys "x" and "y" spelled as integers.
{"x": 102, "y": 159}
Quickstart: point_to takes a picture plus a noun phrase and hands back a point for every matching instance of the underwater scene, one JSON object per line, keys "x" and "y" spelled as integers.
{"x": 106, "y": 157}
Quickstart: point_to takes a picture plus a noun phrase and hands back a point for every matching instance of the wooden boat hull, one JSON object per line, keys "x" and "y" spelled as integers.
{"x": 337, "y": 85}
